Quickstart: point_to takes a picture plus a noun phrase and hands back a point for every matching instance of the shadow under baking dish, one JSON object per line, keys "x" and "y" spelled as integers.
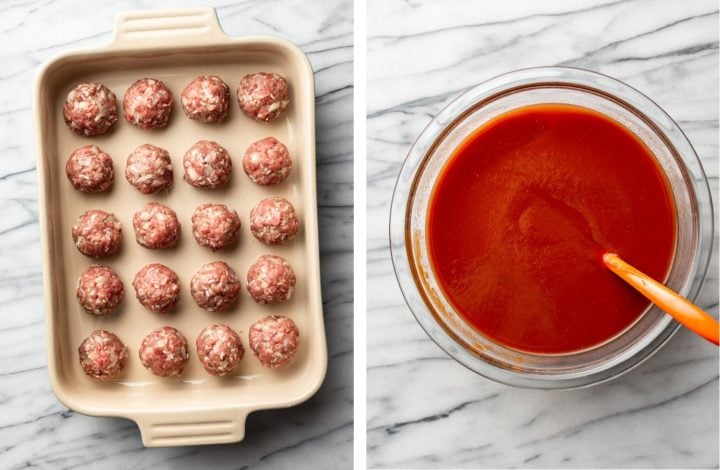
{"x": 196, "y": 407}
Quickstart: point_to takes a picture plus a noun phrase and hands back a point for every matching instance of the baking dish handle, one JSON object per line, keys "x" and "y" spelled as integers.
{"x": 158, "y": 28}
{"x": 186, "y": 428}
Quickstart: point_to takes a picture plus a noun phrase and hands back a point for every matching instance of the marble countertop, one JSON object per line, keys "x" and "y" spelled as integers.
{"x": 35, "y": 429}
{"x": 424, "y": 409}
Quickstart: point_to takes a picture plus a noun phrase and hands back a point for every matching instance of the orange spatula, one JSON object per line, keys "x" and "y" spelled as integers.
{"x": 680, "y": 308}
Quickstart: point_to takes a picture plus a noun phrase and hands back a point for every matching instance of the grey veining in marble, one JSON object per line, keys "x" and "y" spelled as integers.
{"x": 35, "y": 429}
{"x": 425, "y": 410}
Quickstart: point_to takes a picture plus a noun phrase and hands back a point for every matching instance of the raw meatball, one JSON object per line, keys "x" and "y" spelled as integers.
{"x": 102, "y": 355}
{"x": 263, "y": 96}
{"x": 273, "y": 221}
{"x": 148, "y": 104}
{"x": 164, "y": 352}
{"x": 206, "y": 99}
{"x": 207, "y": 165}
{"x": 157, "y": 287}
{"x": 215, "y": 286}
{"x": 270, "y": 280}
{"x": 156, "y": 226}
{"x": 97, "y": 233}
{"x": 215, "y": 226}
{"x": 267, "y": 161}
{"x": 274, "y": 340}
{"x": 99, "y": 290}
{"x": 90, "y": 109}
{"x": 149, "y": 169}
{"x": 89, "y": 169}
{"x": 220, "y": 349}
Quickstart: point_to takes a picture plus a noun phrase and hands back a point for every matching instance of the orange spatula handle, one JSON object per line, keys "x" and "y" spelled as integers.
{"x": 684, "y": 311}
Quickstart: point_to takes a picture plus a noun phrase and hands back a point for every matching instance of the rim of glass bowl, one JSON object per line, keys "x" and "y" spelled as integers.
{"x": 474, "y": 99}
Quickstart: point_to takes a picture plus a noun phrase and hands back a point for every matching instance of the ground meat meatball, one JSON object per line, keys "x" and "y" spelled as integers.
{"x": 263, "y": 96}
{"x": 207, "y": 165}
{"x": 147, "y": 104}
{"x": 90, "y": 109}
{"x": 273, "y": 221}
{"x": 215, "y": 226}
{"x": 157, "y": 287}
{"x": 97, "y": 233}
{"x": 215, "y": 286}
{"x": 156, "y": 226}
{"x": 102, "y": 355}
{"x": 99, "y": 290}
{"x": 220, "y": 349}
{"x": 89, "y": 169}
{"x": 206, "y": 99}
{"x": 270, "y": 280}
{"x": 149, "y": 169}
{"x": 274, "y": 340}
{"x": 164, "y": 352}
{"x": 267, "y": 161}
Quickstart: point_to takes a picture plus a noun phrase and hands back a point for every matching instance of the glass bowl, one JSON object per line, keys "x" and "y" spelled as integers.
{"x": 435, "y": 145}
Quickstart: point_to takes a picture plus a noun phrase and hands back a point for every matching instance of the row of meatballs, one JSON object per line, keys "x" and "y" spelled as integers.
{"x": 164, "y": 351}
{"x": 207, "y": 164}
{"x": 97, "y": 233}
{"x": 91, "y": 108}
{"x": 214, "y": 287}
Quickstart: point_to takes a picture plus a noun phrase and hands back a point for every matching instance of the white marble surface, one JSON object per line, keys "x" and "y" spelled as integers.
{"x": 35, "y": 429}
{"x": 425, "y": 410}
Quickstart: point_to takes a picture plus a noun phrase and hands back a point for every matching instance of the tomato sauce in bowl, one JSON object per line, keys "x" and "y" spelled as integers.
{"x": 521, "y": 214}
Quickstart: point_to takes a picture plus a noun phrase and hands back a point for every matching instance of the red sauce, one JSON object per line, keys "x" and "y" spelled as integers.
{"x": 524, "y": 209}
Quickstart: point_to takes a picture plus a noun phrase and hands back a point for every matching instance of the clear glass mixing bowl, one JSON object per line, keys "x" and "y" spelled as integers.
{"x": 435, "y": 145}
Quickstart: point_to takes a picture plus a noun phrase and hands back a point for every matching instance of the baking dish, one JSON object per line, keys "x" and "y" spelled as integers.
{"x": 176, "y": 46}
{"x": 409, "y": 244}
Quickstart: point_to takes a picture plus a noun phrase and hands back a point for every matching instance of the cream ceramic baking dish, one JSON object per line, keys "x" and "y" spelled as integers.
{"x": 176, "y": 46}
